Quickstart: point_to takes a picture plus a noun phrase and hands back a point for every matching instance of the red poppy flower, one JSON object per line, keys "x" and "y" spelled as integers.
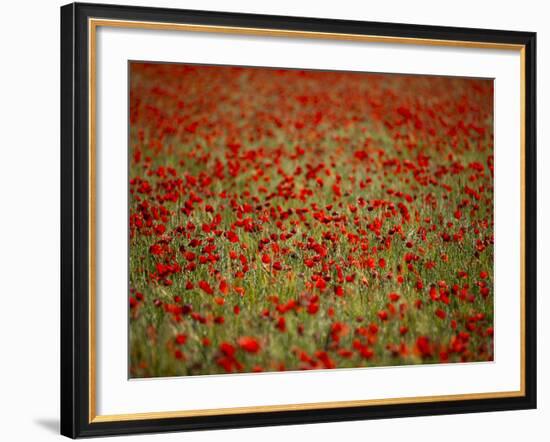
{"x": 181, "y": 339}
{"x": 227, "y": 349}
{"x": 312, "y": 308}
{"x": 383, "y": 315}
{"x": 249, "y": 344}
{"x": 206, "y": 287}
{"x": 224, "y": 287}
{"x": 394, "y": 297}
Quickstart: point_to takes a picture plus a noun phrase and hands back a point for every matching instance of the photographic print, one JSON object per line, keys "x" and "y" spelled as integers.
{"x": 284, "y": 219}
{"x": 271, "y": 220}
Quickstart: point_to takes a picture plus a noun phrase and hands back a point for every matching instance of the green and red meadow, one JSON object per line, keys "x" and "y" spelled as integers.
{"x": 291, "y": 220}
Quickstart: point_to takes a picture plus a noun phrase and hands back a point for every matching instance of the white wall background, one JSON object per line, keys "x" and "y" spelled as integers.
{"x": 29, "y": 219}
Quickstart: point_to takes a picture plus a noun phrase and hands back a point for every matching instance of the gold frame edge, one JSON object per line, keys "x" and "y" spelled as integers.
{"x": 93, "y": 23}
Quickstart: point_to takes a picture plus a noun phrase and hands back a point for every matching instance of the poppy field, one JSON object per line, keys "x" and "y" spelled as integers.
{"x": 294, "y": 220}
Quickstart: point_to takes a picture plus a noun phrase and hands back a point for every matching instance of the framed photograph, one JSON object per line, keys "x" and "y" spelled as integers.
{"x": 274, "y": 220}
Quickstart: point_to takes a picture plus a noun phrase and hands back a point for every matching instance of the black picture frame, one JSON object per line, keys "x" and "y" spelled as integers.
{"x": 75, "y": 193}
